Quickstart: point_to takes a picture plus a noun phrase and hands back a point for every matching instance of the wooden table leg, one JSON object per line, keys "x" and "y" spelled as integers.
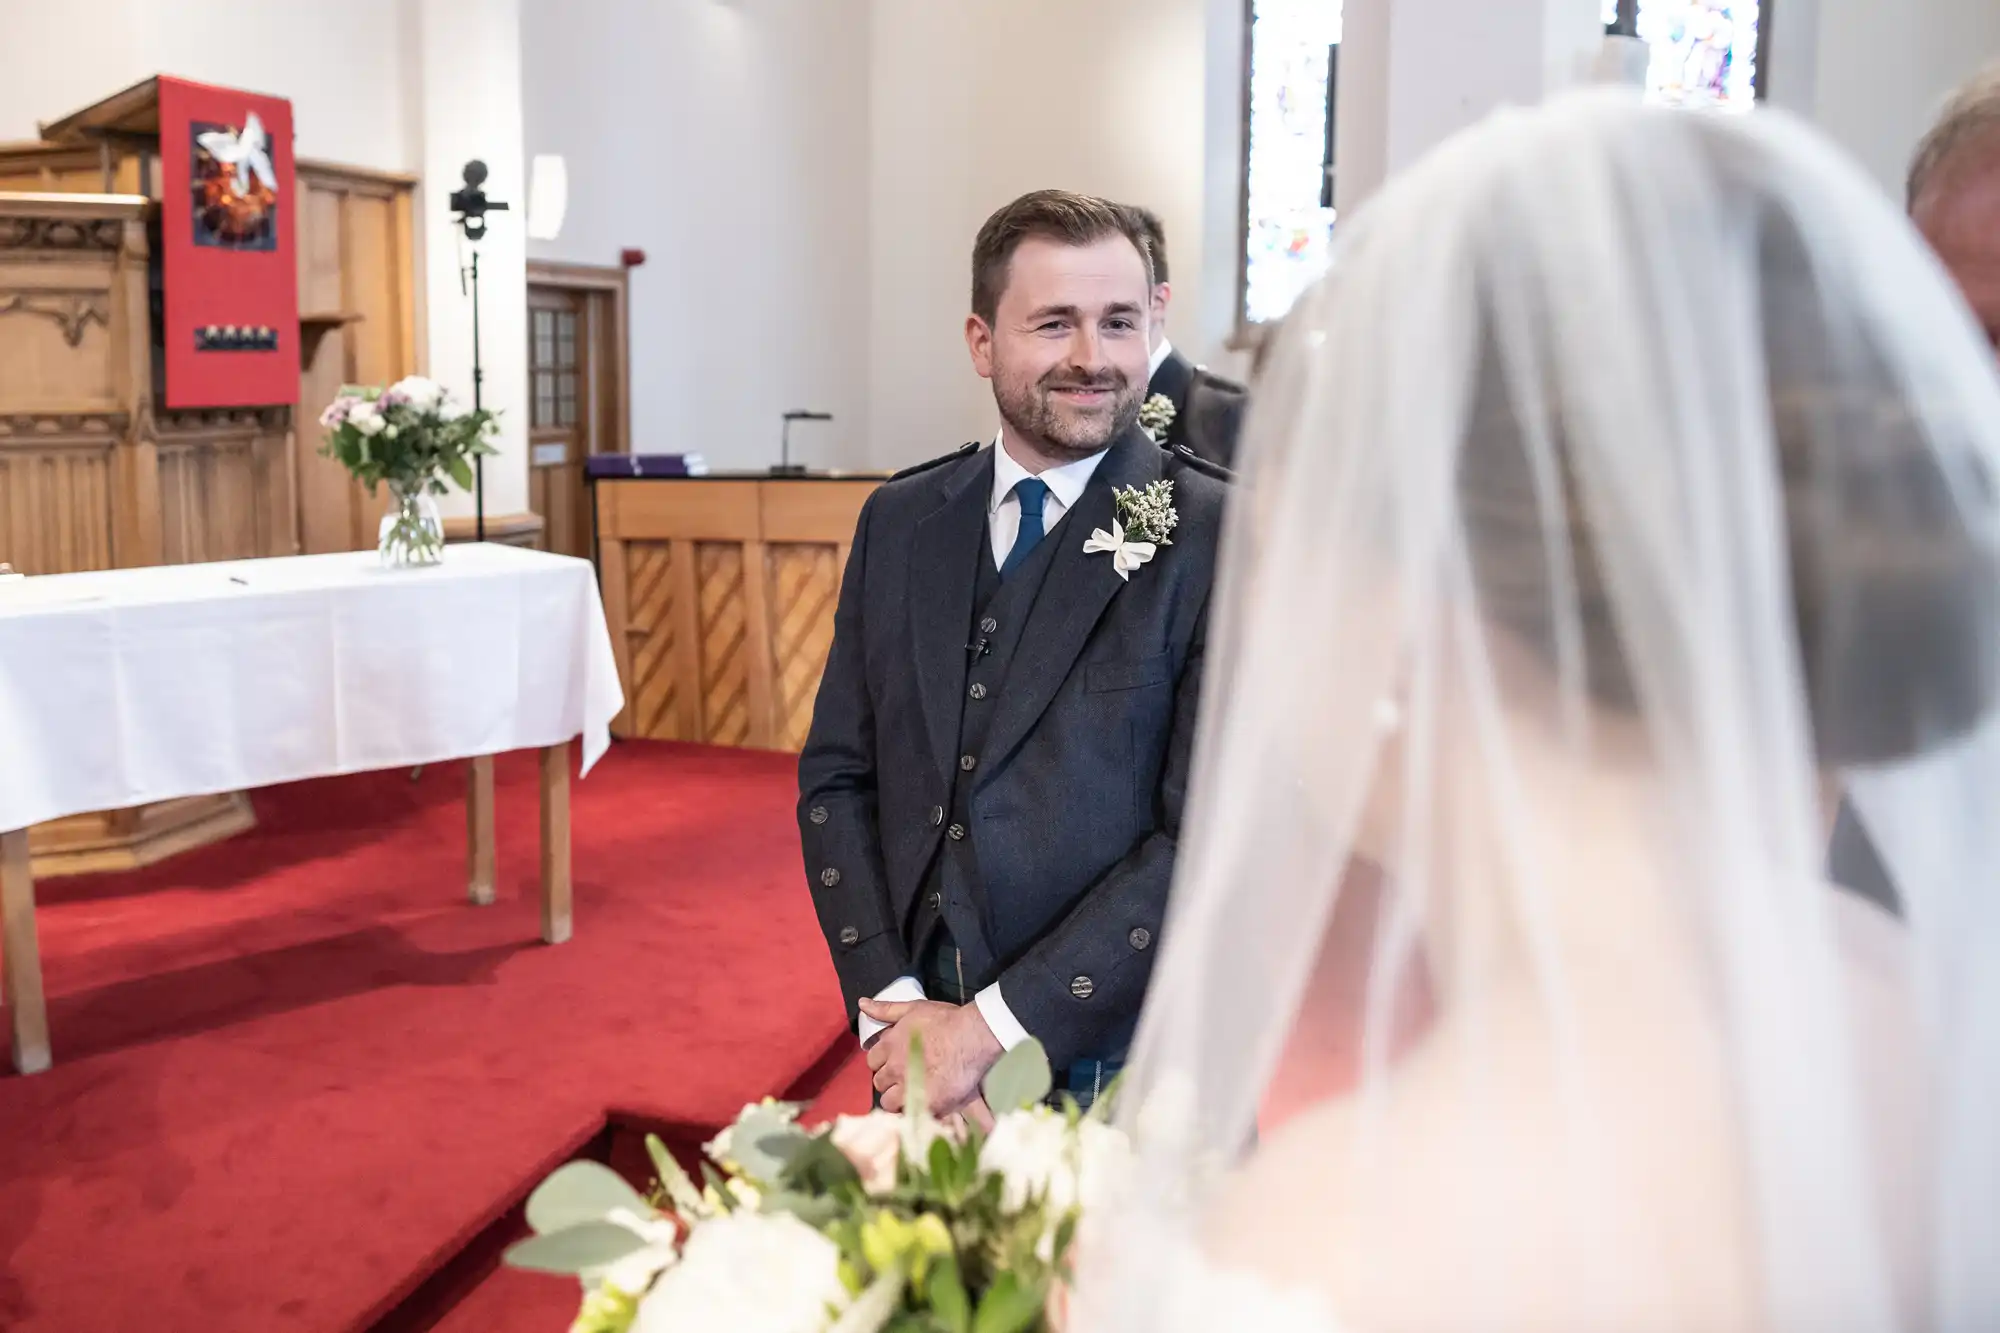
{"x": 21, "y": 955}
{"x": 479, "y": 854}
{"x": 555, "y": 844}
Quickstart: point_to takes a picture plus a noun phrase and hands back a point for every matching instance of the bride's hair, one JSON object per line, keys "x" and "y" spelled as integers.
{"x": 1895, "y": 595}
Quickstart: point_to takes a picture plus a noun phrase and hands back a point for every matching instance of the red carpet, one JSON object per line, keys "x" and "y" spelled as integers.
{"x": 296, "y": 1073}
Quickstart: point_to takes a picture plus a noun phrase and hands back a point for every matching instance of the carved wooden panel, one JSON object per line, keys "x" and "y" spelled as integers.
{"x": 652, "y": 689}
{"x": 724, "y": 645}
{"x": 56, "y": 339}
{"x": 223, "y": 485}
{"x": 805, "y": 583}
{"x": 55, "y": 493}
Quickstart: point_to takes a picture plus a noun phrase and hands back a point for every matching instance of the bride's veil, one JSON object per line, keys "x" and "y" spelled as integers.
{"x": 1630, "y": 474}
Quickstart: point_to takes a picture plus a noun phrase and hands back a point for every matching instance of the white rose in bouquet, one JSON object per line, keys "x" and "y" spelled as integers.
{"x": 747, "y": 1273}
{"x": 1032, "y": 1152}
{"x": 366, "y": 418}
{"x": 1040, "y": 1155}
{"x": 418, "y": 391}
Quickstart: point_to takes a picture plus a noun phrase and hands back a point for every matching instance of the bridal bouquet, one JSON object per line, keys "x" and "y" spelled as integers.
{"x": 896, "y": 1222}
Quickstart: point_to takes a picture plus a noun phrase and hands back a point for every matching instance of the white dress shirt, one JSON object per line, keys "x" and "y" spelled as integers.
{"x": 1003, "y": 523}
{"x": 1160, "y": 355}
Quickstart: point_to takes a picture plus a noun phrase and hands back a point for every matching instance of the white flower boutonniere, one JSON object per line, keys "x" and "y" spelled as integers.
{"x": 1156, "y": 417}
{"x": 1145, "y": 522}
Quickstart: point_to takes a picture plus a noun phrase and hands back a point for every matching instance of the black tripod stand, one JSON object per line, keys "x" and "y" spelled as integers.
{"x": 471, "y": 206}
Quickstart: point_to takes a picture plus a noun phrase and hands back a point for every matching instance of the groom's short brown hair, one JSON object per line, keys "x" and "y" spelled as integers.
{"x": 1055, "y": 215}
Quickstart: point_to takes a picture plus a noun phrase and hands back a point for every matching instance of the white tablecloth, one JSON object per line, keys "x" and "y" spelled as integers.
{"x": 132, "y": 686}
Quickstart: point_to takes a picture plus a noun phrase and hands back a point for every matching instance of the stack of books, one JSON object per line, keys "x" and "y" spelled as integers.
{"x": 608, "y": 466}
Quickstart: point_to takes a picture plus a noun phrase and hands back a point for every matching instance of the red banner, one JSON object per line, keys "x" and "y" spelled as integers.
{"x": 228, "y": 206}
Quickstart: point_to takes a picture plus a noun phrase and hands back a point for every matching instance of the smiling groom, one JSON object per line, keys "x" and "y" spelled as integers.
{"x": 991, "y": 792}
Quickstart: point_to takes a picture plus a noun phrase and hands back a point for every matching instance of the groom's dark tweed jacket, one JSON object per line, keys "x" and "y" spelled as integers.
{"x": 1028, "y": 797}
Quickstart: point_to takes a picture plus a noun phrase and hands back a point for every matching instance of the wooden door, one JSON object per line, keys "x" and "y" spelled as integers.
{"x": 357, "y": 325}
{"x": 576, "y": 392}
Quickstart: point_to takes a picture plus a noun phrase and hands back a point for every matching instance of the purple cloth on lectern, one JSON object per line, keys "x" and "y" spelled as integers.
{"x": 600, "y": 466}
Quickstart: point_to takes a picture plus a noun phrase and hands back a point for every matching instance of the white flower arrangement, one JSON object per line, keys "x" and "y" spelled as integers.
{"x": 877, "y": 1222}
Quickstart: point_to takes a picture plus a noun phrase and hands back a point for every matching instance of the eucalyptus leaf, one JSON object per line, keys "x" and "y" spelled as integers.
{"x": 753, "y": 1139}
{"x": 574, "y": 1250}
{"x": 1019, "y": 1080}
{"x": 1008, "y": 1307}
{"x": 815, "y": 1166}
{"x": 580, "y": 1192}
{"x": 461, "y": 472}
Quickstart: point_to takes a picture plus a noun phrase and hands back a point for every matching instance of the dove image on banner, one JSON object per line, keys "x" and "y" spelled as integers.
{"x": 229, "y": 272}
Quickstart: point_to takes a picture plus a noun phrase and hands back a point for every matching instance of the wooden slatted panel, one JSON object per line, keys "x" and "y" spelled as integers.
{"x": 805, "y": 582}
{"x": 55, "y": 509}
{"x": 725, "y": 658}
{"x": 653, "y": 692}
{"x": 208, "y": 502}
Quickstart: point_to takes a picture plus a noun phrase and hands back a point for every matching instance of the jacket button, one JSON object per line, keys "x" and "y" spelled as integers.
{"x": 967, "y": 762}
{"x": 956, "y": 833}
{"x": 818, "y": 815}
{"x": 849, "y": 936}
{"x": 937, "y": 815}
{"x": 1082, "y": 987}
{"x": 978, "y": 691}
{"x": 936, "y": 901}
{"x": 989, "y": 626}
{"x": 1140, "y": 939}
{"x": 829, "y": 877}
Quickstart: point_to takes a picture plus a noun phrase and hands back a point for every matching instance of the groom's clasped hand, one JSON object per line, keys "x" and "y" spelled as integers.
{"x": 958, "y": 1049}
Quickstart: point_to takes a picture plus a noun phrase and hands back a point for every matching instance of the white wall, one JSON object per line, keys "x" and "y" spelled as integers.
{"x": 978, "y": 101}
{"x": 1872, "y": 73}
{"x": 807, "y": 177}
{"x": 729, "y": 141}
{"x": 464, "y": 90}
{"x": 340, "y": 62}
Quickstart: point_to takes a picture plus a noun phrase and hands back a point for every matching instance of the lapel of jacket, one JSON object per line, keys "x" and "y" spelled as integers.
{"x": 942, "y": 554}
{"x": 1072, "y": 599}
{"x": 1176, "y": 380}
{"x": 1174, "y": 377}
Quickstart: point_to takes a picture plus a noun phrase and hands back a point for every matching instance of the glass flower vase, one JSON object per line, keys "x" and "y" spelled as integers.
{"x": 412, "y": 532}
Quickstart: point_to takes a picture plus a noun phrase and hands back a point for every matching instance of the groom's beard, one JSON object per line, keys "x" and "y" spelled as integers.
{"x": 1061, "y": 427}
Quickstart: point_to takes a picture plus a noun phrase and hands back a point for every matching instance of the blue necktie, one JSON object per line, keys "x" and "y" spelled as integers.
{"x": 1032, "y": 492}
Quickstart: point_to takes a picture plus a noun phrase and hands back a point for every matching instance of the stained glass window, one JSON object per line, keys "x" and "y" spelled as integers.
{"x": 1704, "y": 52}
{"x": 1289, "y": 200}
